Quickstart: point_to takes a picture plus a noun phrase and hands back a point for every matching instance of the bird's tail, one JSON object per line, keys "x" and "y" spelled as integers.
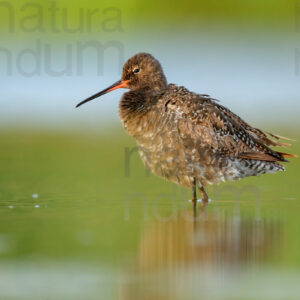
{"x": 287, "y": 154}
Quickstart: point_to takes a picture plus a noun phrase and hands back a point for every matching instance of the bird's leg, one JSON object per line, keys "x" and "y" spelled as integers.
{"x": 194, "y": 200}
{"x": 204, "y": 196}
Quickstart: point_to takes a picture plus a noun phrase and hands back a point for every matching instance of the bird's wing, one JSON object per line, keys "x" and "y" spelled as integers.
{"x": 203, "y": 123}
{"x": 258, "y": 134}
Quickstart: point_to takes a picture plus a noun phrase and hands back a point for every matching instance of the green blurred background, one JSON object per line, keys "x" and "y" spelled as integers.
{"x": 81, "y": 220}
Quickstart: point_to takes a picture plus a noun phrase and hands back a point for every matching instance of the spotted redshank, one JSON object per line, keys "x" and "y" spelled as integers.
{"x": 188, "y": 138}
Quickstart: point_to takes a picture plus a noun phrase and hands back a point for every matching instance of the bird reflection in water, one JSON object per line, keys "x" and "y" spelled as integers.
{"x": 180, "y": 253}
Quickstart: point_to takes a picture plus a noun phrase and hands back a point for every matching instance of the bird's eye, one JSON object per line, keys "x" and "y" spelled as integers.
{"x": 136, "y": 70}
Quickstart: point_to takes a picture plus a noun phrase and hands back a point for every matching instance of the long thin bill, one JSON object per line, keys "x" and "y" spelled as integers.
{"x": 116, "y": 85}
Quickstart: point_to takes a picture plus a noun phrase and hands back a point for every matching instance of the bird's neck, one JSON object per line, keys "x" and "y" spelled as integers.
{"x": 135, "y": 104}
{"x": 139, "y": 101}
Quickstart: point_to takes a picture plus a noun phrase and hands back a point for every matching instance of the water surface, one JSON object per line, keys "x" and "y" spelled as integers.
{"x": 76, "y": 224}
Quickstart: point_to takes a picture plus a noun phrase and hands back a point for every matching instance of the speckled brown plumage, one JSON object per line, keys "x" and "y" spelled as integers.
{"x": 188, "y": 138}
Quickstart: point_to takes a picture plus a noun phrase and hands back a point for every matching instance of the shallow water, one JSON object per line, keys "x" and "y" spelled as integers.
{"x": 75, "y": 224}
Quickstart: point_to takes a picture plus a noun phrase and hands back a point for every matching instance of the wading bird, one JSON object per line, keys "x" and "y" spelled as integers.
{"x": 188, "y": 138}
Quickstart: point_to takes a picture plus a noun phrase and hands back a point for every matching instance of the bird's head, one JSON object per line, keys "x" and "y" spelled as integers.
{"x": 141, "y": 72}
